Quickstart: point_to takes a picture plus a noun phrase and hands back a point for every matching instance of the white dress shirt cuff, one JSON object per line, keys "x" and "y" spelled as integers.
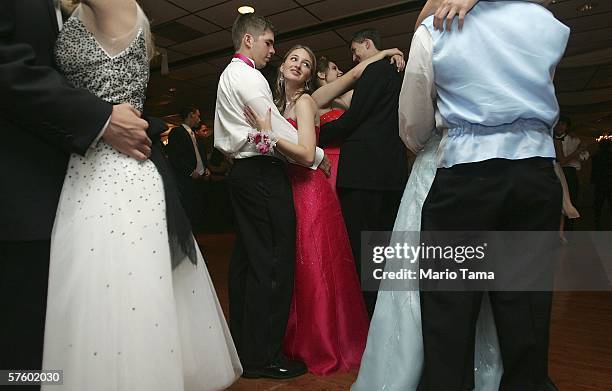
{"x": 99, "y": 136}
{"x": 319, "y": 154}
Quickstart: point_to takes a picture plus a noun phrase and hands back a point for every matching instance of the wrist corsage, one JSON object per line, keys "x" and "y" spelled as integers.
{"x": 262, "y": 141}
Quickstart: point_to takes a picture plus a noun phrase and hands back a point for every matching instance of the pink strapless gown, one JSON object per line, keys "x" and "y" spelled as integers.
{"x": 328, "y": 322}
{"x": 332, "y": 151}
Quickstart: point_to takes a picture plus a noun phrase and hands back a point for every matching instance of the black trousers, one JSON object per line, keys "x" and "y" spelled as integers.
{"x": 494, "y": 195}
{"x": 368, "y": 210}
{"x": 24, "y": 272}
{"x": 262, "y": 266}
{"x": 193, "y": 198}
{"x": 603, "y": 193}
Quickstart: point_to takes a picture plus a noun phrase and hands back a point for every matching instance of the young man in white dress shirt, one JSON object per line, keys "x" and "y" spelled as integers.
{"x": 262, "y": 266}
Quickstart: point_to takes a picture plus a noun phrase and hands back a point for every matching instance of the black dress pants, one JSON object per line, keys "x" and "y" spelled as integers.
{"x": 494, "y": 195}
{"x": 262, "y": 265}
{"x": 603, "y": 193}
{"x": 193, "y": 198}
{"x": 24, "y": 271}
{"x": 368, "y": 210}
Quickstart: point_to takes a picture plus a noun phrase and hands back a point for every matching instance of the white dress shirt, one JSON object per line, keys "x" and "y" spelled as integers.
{"x": 418, "y": 114}
{"x": 58, "y": 14}
{"x": 241, "y": 85}
{"x": 199, "y": 165}
{"x": 570, "y": 144}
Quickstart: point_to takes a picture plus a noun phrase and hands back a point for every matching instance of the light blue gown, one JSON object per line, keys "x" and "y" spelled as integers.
{"x": 393, "y": 358}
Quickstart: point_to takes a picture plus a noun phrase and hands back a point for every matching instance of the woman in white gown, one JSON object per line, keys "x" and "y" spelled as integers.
{"x": 125, "y": 309}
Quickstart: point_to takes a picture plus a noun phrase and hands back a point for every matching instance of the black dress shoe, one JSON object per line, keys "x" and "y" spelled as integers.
{"x": 283, "y": 370}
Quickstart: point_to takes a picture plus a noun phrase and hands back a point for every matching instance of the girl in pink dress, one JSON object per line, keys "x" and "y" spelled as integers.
{"x": 328, "y": 322}
{"x": 328, "y": 72}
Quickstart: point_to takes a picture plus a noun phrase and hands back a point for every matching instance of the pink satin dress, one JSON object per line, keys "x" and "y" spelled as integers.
{"x": 328, "y": 322}
{"x": 332, "y": 151}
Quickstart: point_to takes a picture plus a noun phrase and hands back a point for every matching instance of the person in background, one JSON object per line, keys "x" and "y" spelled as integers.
{"x": 188, "y": 160}
{"x": 328, "y": 72}
{"x": 570, "y": 152}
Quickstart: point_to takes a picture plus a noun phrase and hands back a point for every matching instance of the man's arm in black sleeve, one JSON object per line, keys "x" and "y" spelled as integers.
{"x": 371, "y": 87}
{"x": 178, "y": 140}
{"x": 39, "y": 99}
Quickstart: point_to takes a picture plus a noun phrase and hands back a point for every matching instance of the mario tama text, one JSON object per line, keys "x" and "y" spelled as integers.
{"x": 466, "y": 262}
{"x": 431, "y": 274}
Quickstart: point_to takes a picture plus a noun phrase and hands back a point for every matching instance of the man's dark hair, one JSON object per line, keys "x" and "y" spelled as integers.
{"x": 249, "y": 23}
{"x": 566, "y": 120}
{"x": 370, "y": 34}
{"x": 185, "y": 111}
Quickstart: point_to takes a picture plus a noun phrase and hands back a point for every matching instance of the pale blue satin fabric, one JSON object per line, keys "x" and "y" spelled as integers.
{"x": 494, "y": 82}
{"x": 393, "y": 357}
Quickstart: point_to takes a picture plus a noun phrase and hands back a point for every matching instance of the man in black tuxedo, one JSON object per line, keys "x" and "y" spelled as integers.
{"x": 372, "y": 171}
{"x": 188, "y": 160}
{"x": 42, "y": 119}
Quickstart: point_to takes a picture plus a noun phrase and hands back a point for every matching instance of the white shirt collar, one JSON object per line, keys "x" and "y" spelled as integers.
{"x": 249, "y": 58}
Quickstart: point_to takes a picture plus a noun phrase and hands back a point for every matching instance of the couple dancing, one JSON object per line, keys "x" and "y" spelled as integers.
{"x": 294, "y": 290}
{"x": 484, "y": 145}
{"x": 130, "y": 304}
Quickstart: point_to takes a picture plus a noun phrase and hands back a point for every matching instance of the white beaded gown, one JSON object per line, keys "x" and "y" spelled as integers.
{"x": 119, "y": 318}
{"x": 393, "y": 358}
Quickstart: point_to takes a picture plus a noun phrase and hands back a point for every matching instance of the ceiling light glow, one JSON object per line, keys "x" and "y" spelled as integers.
{"x": 245, "y": 9}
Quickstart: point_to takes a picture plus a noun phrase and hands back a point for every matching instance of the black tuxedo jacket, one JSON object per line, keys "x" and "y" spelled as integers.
{"x": 181, "y": 153}
{"x": 42, "y": 120}
{"x": 372, "y": 155}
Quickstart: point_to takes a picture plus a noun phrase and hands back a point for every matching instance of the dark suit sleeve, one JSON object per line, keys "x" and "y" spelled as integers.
{"x": 178, "y": 152}
{"x": 39, "y": 100}
{"x": 203, "y": 153}
{"x": 371, "y": 87}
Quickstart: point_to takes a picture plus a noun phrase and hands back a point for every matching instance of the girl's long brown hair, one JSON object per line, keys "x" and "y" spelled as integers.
{"x": 279, "y": 92}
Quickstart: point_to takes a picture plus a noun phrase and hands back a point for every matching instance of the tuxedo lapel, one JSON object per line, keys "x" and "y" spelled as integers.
{"x": 52, "y": 14}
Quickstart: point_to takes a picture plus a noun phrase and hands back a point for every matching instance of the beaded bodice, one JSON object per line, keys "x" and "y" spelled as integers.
{"x": 119, "y": 78}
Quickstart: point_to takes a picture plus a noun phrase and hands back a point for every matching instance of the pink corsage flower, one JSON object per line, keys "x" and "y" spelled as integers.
{"x": 263, "y": 142}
